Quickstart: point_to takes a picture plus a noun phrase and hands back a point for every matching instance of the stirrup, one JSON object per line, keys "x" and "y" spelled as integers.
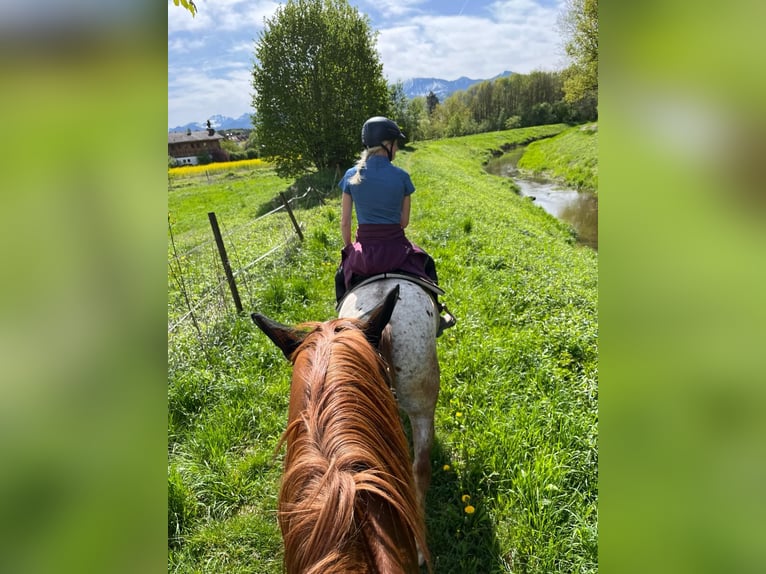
{"x": 446, "y": 321}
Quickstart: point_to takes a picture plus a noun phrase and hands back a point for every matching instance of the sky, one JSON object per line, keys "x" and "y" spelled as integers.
{"x": 210, "y": 56}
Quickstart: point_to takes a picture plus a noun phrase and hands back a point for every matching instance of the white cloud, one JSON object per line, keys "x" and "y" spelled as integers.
{"x": 216, "y": 16}
{"x": 242, "y": 47}
{"x": 210, "y": 56}
{"x": 185, "y": 45}
{"x": 522, "y": 37}
{"x": 194, "y": 95}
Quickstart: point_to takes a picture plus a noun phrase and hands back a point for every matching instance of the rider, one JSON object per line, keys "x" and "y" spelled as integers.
{"x": 381, "y": 193}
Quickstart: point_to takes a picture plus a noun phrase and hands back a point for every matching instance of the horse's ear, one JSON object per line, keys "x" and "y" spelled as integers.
{"x": 286, "y": 338}
{"x": 378, "y": 318}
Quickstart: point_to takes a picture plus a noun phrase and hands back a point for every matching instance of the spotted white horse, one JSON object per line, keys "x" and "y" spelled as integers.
{"x": 414, "y": 365}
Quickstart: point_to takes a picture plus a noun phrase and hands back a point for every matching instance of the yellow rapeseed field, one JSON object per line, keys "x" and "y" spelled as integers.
{"x": 229, "y": 165}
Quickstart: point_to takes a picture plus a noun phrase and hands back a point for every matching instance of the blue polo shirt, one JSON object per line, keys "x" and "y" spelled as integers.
{"x": 378, "y": 198}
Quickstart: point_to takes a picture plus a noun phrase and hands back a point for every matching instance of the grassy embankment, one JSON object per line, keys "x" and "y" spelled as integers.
{"x": 516, "y": 423}
{"x": 570, "y": 157}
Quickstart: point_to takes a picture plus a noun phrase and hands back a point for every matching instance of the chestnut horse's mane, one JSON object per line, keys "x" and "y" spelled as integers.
{"x": 347, "y": 462}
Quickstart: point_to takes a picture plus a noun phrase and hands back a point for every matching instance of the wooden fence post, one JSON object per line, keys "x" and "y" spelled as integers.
{"x": 292, "y": 217}
{"x": 225, "y": 260}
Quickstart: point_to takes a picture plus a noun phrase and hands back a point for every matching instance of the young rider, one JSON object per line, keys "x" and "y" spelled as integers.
{"x": 381, "y": 194}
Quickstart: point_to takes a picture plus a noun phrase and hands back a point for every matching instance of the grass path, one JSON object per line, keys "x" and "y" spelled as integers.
{"x": 516, "y": 423}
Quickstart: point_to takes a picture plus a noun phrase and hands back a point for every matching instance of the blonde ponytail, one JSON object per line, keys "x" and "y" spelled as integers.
{"x": 356, "y": 179}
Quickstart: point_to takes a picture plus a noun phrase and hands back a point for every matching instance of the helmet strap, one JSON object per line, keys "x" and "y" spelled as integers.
{"x": 389, "y": 151}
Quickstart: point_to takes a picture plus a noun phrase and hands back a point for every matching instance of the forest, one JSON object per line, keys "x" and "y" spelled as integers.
{"x": 515, "y": 101}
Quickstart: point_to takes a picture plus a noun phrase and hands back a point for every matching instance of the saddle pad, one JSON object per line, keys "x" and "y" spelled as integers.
{"x": 432, "y": 288}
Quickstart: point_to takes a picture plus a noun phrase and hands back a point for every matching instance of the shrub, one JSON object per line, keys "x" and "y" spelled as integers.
{"x": 513, "y": 122}
{"x": 220, "y": 155}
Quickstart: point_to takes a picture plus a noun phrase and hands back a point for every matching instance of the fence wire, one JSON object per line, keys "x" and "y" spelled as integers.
{"x": 198, "y": 293}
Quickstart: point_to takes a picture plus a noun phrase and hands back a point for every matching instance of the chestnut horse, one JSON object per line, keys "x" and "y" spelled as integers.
{"x": 347, "y": 501}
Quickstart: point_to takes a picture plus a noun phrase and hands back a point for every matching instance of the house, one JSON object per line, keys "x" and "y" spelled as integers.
{"x": 187, "y": 147}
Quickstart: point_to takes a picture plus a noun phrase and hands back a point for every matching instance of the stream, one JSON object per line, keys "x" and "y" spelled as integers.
{"x": 579, "y": 209}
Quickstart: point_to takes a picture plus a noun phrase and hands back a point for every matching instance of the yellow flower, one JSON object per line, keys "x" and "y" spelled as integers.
{"x": 446, "y": 467}
{"x": 469, "y": 509}
{"x": 466, "y": 497}
{"x": 458, "y": 414}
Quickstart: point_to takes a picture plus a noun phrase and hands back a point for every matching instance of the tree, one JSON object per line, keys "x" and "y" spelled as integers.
{"x": 230, "y": 146}
{"x": 580, "y": 28}
{"x": 188, "y": 4}
{"x": 405, "y": 112}
{"x": 418, "y": 117}
{"x": 398, "y": 106}
{"x": 431, "y": 102}
{"x": 453, "y": 118}
{"x": 316, "y": 79}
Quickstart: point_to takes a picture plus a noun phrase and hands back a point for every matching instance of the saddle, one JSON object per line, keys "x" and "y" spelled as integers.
{"x": 431, "y": 288}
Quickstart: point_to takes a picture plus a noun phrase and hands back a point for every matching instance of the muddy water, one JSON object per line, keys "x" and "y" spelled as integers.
{"x": 579, "y": 209}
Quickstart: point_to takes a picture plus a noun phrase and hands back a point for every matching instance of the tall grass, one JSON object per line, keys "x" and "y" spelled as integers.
{"x": 571, "y": 157}
{"x": 515, "y": 458}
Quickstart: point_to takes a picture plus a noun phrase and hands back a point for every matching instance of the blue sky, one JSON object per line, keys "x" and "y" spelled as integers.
{"x": 210, "y": 56}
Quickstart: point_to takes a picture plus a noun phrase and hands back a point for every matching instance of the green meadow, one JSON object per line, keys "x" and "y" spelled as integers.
{"x": 570, "y": 157}
{"x": 515, "y": 459}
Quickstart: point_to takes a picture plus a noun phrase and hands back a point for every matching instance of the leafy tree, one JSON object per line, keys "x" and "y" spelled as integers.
{"x": 188, "y": 4}
{"x": 230, "y": 146}
{"x": 539, "y": 114}
{"x": 580, "y": 27}
{"x": 418, "y": 117}
{"x": 431, "y": 102}
{"x": 512, "y": 123}
{"x": 399, "y": 109}
{"x": 453, "y": 117}
{"x": 407, "y": 113}
{"x": 219, "y": 155}
{"x": 317, "y": 78}
{"x": 252, "y": 142}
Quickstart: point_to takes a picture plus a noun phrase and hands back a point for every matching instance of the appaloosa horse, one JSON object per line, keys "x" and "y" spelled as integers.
{"x": 347, "y": 501}
{"x": 414, "y": 364}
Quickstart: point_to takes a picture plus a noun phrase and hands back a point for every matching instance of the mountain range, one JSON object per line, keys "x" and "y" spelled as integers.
{"x": 413, "y": 88}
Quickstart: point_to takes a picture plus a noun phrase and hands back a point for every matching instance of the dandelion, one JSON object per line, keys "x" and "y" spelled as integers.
{"x": 446, "y": 467}
{"x": 466, "y": 497}
{"x": 469, "y": 509}
{"x": 458, "y": 414}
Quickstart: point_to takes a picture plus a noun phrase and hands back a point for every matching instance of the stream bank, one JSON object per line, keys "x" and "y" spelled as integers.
{"x": 578, "y": 208}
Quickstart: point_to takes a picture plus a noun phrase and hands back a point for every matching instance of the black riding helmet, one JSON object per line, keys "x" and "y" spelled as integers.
{"x": 379, "y": 129}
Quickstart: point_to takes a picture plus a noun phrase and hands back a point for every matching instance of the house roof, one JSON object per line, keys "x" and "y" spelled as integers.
{"x": 203, "y": 135}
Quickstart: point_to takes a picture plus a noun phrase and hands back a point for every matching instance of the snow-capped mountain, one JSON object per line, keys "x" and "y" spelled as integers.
{"x": 218, "y": 122}
{"x": 413, "y": 87}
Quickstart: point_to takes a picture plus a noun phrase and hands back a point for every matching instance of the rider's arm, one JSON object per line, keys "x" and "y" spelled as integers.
{"x": 345, "y": 219}
{"x": 405, "y": 211}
